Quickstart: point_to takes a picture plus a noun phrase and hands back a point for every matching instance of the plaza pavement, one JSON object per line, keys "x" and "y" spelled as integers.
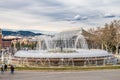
{"x": 62, "y": 75}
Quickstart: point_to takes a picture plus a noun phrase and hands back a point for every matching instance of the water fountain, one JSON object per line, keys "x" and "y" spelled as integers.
{"x": 62, "y": 42}
{"x": 65, "y": 48}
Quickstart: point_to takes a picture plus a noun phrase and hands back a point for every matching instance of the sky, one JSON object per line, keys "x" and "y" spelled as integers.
{"x": 57, "y": 15}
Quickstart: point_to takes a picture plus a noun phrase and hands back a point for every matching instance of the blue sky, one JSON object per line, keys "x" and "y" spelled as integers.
{"x": 57, "y": 15}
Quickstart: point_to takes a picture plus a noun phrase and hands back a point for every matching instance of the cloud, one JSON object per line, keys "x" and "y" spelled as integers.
{"x": 108, "y": 15}
{"x": 77, "y": 17}
{"x": 57, "y": 15}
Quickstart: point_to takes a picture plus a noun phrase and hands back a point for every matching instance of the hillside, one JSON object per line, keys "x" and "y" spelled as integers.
{"x": 20, "y": 33}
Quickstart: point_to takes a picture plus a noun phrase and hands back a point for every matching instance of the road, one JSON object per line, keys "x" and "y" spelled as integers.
{"x": 67, "y": 75}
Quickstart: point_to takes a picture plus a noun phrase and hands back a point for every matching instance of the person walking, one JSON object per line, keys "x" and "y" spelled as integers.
{"x": 2, "y": 69}
{"x": 5, "y": 66}
{"x": 12, "y": 69}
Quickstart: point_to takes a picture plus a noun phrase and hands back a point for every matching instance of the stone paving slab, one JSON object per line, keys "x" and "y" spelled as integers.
{"x": 78, "y": 75}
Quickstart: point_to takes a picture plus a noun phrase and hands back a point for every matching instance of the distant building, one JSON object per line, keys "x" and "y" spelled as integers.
{"x": 0, "y": 38}
{"x": 6, "y": 43}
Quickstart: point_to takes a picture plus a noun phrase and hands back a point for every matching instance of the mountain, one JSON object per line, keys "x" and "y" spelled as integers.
{"x": 20, "y": 33}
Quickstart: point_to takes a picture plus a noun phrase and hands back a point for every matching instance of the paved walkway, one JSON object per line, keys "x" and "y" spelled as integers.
{"x": 81, "y": 75}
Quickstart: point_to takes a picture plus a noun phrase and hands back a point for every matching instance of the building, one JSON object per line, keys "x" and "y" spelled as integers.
{"x": 0, "y": 38}
{"x": 6, "y": 43}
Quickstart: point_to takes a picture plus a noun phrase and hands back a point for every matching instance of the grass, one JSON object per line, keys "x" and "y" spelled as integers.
{"x": 68, "y": 68}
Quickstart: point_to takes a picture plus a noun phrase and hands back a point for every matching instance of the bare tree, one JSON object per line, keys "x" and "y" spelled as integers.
{"x": 117, "y": 37}
{"x": 108, "y": 37}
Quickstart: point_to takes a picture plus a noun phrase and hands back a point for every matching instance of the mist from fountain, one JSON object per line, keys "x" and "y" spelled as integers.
{"x": 62, "y": 42}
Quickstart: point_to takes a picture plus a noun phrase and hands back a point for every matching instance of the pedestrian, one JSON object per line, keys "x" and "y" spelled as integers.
{"x": 12, "y": 69}
{"x": 2, "y": 69}
{"x": 5, "y": 66}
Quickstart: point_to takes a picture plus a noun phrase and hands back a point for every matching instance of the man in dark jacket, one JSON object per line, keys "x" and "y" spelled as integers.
{"x": 5, "y": 66}
{"x": 12, "y": 69}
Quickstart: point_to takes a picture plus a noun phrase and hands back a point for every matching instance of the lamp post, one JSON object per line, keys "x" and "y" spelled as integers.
{"x": 2, "y": 56}
{"x": 9, "y": 58}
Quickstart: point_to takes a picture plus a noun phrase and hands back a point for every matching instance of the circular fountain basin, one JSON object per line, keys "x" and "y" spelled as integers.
{"x": 81, "y": 53}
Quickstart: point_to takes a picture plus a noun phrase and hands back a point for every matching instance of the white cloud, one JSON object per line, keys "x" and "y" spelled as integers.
{"x": 108, "y": 15}
{"x": 56, "y": 15}
{"x": 77, "y": 17}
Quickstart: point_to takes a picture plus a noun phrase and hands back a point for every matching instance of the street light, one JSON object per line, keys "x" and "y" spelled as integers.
{"x": 2, "y": 56}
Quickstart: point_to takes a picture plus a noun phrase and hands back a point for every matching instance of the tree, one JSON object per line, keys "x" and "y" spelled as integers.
{"x": 117, "y": 37}
{"x": 18, "y": 46}
{"x": 108, "y": 36}
{"x": 12, "y": 45}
